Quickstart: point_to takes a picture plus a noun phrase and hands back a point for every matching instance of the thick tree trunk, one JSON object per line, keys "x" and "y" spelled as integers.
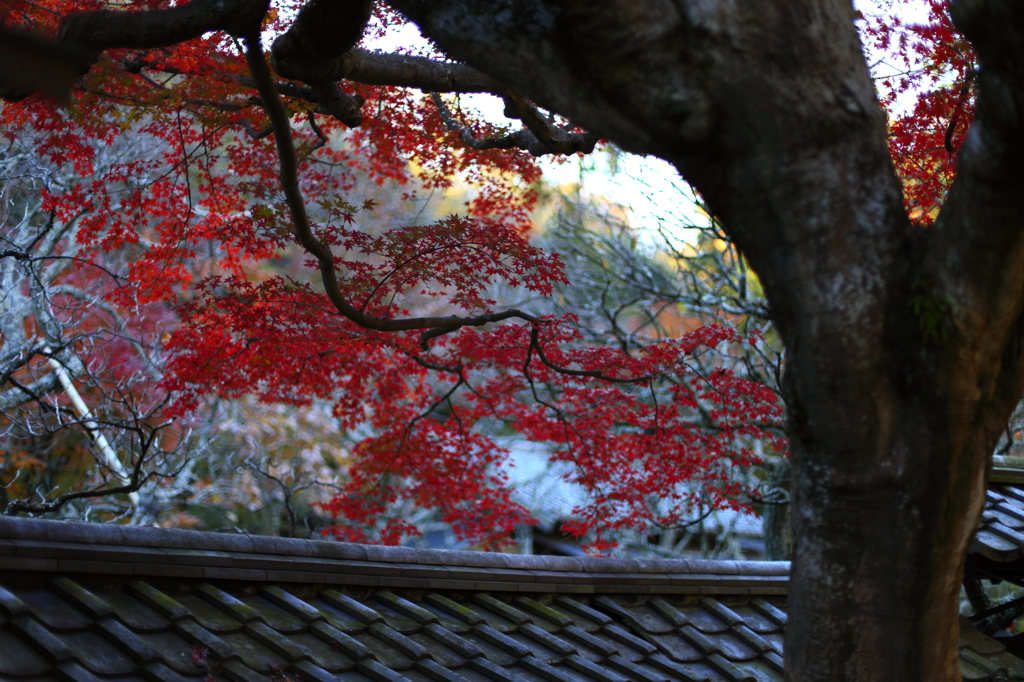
{"x": 768, "y": 109}
{"x": 882, "y": 520}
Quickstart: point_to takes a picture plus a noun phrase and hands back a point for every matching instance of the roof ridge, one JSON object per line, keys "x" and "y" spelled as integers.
{"x": 18, "y": 536}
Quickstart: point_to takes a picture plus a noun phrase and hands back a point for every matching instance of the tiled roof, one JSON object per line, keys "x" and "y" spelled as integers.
{"x": 1001, "y": 535}
{"x": 89, "y": 602}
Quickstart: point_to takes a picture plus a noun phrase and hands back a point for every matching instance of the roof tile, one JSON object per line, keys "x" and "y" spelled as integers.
{"x": 597, "y": 672}
{"x": 460, "y": 645}
{"x": 135, "y": 614}
{"x": 239, "y": 672}
{"x": 351, "y": 606}
{"x": 200, "y": 557}
{"x": 385, "y": 653}
{"x": 143, "y": 536}
{"x": 54, "y": 612}
{"x": 407, "y": 646}
{"x": 492, "y": 652}
{"x": 16, "y": 563}
{"x": 490, "y": 670}
{"x": 499, "y": 607}
{"x": 759, "y": 643}
{"x": 175, "y": 651}
{"x": 76, "y": 673}
{"x": 290, "y": 603}
{"x": 455, "y": 609}
{"x": 314, "y": 673}
{"x": 208, "y": 615}
{"x": 590, "y": 641}
{"x": 10, "y": 605}
{"x": 19, "y": 659}
{"x": 276, "y": 641}
{"x": 676, "y": 648}
{"x": 340, "y": 641}
{"x": 582, "y": 610}
{"x": 226, "y": 603}
{"x": 438, "y": 673}
{"x": 98, "y": 654}
{"x": 80, "y": 597}
{"x": 54, "y": 647}
{"x": 501, "y": 641}
{"x": 167, "y": 570}
{"x": 620, "y": 612}
{"x": 23, "y": 528}
{"x": 675, "y": 617}
{"x": 50, "y": 549}
{"x": 157, "y": 671}
{"x": 405, "y": 607}
{"x": 557, "y": 644}
{"x": 635, "y": 671}
{"x": 543, "y": 611}
{"x": 198, "y": 635}
{"x": 770, "y": 610}
{"x": 545, "y": 671}
{"x": 379, "y": 673}
{"x": 221, "y": 542}
{"x": 127, "y": 640}
{"x": 731, "y": 671}
{"x": 323, "y": 654}
{"x": 630, "y": 640}
{"x": 267, "y": 544}
{"x": 437, "y": 651}
{"x": 775, "y": 661}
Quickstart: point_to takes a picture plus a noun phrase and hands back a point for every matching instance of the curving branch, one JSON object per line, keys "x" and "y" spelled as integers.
{"x": 552, "y": 140}
{"x": 433, "y": 326}
{"x": 318, "y": 49}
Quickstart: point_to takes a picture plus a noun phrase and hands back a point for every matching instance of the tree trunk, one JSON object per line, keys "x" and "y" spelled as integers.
{"x": 904, "y": 345}
{"x": 882, "y": 519}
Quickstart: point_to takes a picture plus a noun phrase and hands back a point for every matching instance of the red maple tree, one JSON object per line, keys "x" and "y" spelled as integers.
{"x": 256, "y": 168}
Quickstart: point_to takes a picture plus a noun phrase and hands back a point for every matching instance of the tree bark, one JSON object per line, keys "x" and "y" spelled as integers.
{"x": 904, "y": 345}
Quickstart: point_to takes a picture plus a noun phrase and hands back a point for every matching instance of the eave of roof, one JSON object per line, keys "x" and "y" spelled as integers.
{"x": 65, "y": 547}
{"x": 74, "y": 598}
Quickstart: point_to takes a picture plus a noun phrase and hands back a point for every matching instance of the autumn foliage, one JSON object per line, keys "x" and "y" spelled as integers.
{"x": 648, "y": 431}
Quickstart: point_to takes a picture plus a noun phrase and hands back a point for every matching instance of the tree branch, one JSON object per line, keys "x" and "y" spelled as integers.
{"x": 554, "y": 140}
{"x": 434, "y": 326}
{"x": 104, "y": 29}
{"x": 975, "y": 254}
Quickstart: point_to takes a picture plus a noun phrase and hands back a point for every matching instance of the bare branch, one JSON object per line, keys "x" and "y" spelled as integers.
{"x": 555, "y": 140}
